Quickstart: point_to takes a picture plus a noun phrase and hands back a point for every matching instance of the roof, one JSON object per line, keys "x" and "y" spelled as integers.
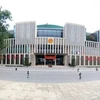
{"x": 48, "y": 26}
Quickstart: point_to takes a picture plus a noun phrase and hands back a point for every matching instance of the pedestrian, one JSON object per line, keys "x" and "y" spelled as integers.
{"x": 78, "y": 69}
{"x": 27, "y": 74}
{"x": 80, "y": 75}
{"x": 96, "y": 69}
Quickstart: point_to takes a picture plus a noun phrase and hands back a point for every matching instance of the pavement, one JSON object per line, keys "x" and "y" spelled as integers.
{"x": 25, "y": 90}
{"x": 10, "y": 90}
{"x": 48, "y": 75}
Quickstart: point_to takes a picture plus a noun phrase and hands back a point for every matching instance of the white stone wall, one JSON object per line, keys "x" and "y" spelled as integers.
{"x": 25, "y": 32}
{"x": 74, "y": 34}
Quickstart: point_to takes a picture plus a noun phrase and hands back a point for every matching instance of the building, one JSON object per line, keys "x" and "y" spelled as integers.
{"x": 51, "y": 44}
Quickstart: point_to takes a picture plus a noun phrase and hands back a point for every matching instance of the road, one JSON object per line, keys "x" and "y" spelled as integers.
{"x": 48, "y": 75}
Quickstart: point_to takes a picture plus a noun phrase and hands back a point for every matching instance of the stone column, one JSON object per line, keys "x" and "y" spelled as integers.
{"x": 33, "y": 61}
{"x": 55, "y": 62}
{"x": 65, "y": 60}
{"x": 96, "y": 61}
{"x": 6, "y": 59}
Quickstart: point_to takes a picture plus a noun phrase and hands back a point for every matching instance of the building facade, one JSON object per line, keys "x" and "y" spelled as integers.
{"x": 51, "y": 44}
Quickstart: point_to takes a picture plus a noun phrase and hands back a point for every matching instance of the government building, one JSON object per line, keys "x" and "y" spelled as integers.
{"x": 52, "y": 44}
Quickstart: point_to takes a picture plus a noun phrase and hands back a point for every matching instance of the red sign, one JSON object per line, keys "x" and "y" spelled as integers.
{"x": 50, "y": 57}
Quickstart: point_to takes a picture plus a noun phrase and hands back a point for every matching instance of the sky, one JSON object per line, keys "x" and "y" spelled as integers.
{"x": 58, "y": 12}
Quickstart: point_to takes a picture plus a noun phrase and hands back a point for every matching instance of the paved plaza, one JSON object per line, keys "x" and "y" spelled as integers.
{"x": 49, "y": 84}
{"x": 49, "y": 91}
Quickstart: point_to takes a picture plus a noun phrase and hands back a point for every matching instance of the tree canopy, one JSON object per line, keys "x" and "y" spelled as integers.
{"x": 5, "y": 15}
{"x": 90, "y": 38}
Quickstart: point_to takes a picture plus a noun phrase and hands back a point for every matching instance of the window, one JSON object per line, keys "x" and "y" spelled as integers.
{"x": 50, "y": 33}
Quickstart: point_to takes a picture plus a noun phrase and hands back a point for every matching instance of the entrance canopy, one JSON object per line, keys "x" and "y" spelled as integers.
{"x": 53, "y": 57}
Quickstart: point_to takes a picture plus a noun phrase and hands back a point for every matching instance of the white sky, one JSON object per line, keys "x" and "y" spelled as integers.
{"x": 85, "y": 12}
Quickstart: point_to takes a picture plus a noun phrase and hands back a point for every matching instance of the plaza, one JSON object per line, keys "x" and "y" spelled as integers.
{"x": 14, "y": 85}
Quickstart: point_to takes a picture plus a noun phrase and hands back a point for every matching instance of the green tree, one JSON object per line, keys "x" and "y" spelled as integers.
{"x": 26, "y": 61}
{"x": 90, "y": 38}
{"x": 73, "y": 61}
{"x": 5, "y": 15}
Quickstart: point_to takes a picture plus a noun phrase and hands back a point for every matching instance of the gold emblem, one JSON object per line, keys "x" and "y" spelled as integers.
{"x": 50, "y": 40}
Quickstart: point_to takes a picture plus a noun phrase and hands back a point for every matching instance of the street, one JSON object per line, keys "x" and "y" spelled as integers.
{"x": 48, "y": 75}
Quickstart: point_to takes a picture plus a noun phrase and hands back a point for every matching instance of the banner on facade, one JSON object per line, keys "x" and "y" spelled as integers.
{"x": 50, "y": 40}
{"x": 50, "y": 57}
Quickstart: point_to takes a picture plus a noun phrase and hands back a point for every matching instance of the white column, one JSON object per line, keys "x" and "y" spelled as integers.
{"x": 70, "y": 58}
{"x": 60, "y": 42}
{"x": 63, "y": 47}
{"x": 65, "y": 60}
{"x": 96, "y": 60}
{"x": 42, "y": 43}
{"x": 33, "y": 46}
{"x": 33, "y": 59}
{"x": 47, "y": 44}
{"x": 8, "y": 46}
{"x": 55, "y": 44}
{"x": 58, "y": 46}
{"x": 50, "y": 48}
{"x": 6, "y": 59}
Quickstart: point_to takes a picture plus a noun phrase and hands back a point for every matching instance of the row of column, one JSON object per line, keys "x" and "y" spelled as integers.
{"x": 19, "y": 58}
{"x": 83, "y": 61}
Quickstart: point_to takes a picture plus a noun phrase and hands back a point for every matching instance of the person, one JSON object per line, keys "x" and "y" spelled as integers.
{"x": 96, "y": 69}
{"x": 27, "y": 74}
{"x": 78, "y": 69}
{"x": 80, "y": 75}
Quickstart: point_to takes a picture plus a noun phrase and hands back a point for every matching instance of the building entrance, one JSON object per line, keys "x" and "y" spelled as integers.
{"x": 49, "y": 59}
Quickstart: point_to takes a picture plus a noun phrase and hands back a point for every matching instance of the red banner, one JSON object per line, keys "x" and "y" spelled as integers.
{"x": 50, "y": 57}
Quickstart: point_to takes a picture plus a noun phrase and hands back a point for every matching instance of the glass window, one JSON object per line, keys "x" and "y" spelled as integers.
{"x": 58, "y": 34}
{"x": 40, "y": 33}
{"x": 54, "y": 33}
{"x": 45, "y": 33}
{"x": 50, "y": 33}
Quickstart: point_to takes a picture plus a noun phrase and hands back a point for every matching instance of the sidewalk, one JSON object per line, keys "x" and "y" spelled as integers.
{"x": 46, "y": 68}
{"x": 62, "y": 91}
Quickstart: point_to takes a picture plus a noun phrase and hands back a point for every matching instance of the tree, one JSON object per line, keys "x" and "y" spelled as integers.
{"x": 73, "y": 61}
{"x": 5, "y": 15}
{"x": 90, "y": 38}
{"x": 26, "y": 61}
